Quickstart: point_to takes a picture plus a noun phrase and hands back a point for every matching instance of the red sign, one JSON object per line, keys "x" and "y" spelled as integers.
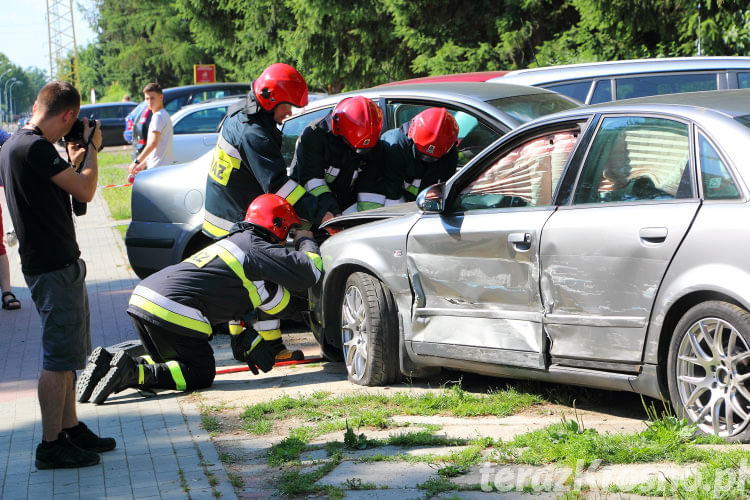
{"x": 204, "y": 73}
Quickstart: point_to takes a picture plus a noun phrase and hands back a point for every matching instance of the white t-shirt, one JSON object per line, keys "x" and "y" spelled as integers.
{"x": 162, "y": 155}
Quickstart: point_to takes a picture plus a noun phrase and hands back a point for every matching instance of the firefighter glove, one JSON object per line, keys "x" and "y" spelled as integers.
{"x": 243, "y": 342}
{"x": 260, "y": 356}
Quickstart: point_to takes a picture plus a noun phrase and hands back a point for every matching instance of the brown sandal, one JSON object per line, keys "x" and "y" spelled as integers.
{"x": 12, "y": 302}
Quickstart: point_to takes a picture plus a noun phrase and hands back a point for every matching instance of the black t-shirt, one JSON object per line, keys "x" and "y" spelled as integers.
{"x": 40, "y": 209}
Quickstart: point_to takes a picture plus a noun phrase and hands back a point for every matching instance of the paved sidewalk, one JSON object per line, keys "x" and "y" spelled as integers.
{"x": 161, "y": 450}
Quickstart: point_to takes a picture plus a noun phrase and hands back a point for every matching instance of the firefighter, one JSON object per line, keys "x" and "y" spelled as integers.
{"x": 420, "y": 153}
{"x": 174, "y": 309}
{"x": 247, "y": 160}
{"x": 339, "y": 159}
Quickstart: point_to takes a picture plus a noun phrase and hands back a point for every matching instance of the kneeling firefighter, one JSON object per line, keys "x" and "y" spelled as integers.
{"x": 248, "y": 274}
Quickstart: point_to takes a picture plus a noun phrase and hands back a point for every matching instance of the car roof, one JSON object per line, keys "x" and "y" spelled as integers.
{"x": 479, "y": 91}
{"x": 551, "y": 74}
{"x": 729, "y": 102}
{"x": 476, "y": 76}
{"x": 207, "y": 104}
{"x": 108, "y": 104}
{"x": 186, "y": 89}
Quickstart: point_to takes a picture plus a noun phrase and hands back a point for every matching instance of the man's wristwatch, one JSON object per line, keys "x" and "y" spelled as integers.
{"x": 136, "y": 162}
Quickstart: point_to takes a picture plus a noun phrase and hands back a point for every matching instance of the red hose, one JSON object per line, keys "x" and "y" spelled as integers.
{"x": 245, "y": 368}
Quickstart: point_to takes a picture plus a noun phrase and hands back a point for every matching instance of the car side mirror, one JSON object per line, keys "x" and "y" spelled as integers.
{"x": 430, "y": 200}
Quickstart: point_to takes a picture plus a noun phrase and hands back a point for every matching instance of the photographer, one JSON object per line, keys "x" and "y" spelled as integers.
{"x": 38, "y": 186}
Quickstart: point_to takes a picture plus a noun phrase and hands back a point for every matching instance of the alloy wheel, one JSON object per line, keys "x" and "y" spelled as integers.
{"x": 354, "y": 332}
{"x": 712, "y": 371}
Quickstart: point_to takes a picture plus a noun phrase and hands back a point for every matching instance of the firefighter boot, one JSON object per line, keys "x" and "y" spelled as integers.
{"x": 123, "y": 372}
{"x": 281, "y": 353}
{"x": 97, "y": 367}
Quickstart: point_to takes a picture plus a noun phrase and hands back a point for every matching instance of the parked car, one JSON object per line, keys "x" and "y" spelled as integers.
{"x": 127, "y": 134}
{"x": 476, "y": 76}
{"x": 602, "y": 246}
{"x": 167, "y": 203}
{"x": 177, "y": 97}
{"x": 111, "y": 116}
{"x": 598, "y": 82}
{"x": 196, "y": 127}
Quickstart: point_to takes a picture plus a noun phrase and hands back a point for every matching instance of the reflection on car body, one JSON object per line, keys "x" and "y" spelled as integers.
{"x": 580, "y": 248}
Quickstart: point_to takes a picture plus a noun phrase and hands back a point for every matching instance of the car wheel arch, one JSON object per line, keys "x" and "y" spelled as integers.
{"x": 678, "y": 309}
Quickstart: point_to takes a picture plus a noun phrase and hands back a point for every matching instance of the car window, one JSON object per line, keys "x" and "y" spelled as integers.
{"x": 642, "y": 86}
{"x": 175, "y": 104}
{"x": 473, "y": 136}
{"x": 525, "y": 108}
{"x": 636, "y": 158}
{"x": 743, "y": 80}
{"x": 293, "y": 127}
{"x": 602, "y": 92}
{"x": 526, "y": 176}
{"x": 205, "y": 121}
{"x": 717, "y": 181}
{"x": 577, "y": 90}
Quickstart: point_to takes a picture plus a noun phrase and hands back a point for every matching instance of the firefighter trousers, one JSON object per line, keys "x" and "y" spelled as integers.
{"x": 179, "y": 362}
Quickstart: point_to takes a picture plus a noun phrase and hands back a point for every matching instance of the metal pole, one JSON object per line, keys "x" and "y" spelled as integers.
{"x": 12, "y": 114}
{"x": 6, "y": 93}
{"x": 1, "y": 94}
{"x": 699, "y": 29}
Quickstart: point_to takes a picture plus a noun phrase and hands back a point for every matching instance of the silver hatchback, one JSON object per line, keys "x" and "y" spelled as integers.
{"x": 604, "y": 246}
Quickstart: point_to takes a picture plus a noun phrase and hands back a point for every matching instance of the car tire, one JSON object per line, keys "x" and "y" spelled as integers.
{"x": 369, "y": 331}
{"x": 708, "y": 369}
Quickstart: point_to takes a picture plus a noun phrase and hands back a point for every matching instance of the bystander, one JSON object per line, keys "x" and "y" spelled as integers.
{"x": 38, "y": 187}
{"x": 158, "y": 150}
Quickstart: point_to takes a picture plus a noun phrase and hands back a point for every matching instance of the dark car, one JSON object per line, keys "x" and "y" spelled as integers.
{"x": 177, "y": 97}
{"x": 112, "y": 116}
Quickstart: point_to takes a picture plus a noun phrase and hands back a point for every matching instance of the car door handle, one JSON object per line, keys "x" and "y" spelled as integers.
{"x": 653, "y": 234}
{"x": 520, "y": 241}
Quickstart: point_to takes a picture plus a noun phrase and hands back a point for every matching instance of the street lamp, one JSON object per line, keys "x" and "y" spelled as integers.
{"x": 5, "y": 90}
{"x": 12, "y": 114}
{"x": 1, "y": 94}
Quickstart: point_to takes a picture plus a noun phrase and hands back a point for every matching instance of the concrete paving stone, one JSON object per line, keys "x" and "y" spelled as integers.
{"x": 14, "y": 493}
{"x": 481, "y": 495}
{"x": 96, "y": 471}
{"x": 120, "y": 495}
{"x": 145, "y": 491}
{"x": 389, "y": 494}
{"x": 313, "y": 456}
{"x": 67, "y": 496}
{"x": 39, "y": 491}
{"x": 391, "y": 474}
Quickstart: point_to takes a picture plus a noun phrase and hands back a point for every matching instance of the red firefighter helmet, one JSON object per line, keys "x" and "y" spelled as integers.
{"x": 358, "y": 120}
{"x": 274, "y": 213}
{"x": 280, "y": 83}
{"x": 434, "y": 132}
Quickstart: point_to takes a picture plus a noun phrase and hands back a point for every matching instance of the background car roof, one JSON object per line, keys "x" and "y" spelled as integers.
{"x": 480, "y": 91}
{"x": 476, "y": 76}
{"x": 729, "y": 102}
{"x": 207, "y": 104}
{"x": 551, "y": 74}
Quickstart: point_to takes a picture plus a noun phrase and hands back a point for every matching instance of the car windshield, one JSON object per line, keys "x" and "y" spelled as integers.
{"x": 525, "y": 108}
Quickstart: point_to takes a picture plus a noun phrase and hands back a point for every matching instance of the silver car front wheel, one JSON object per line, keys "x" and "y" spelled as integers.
{"x": 369, "y": 335}
{"x": 709, "y": 369}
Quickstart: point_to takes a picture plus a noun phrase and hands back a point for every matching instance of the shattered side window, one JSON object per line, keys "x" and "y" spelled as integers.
{"x": 526, "y": 176}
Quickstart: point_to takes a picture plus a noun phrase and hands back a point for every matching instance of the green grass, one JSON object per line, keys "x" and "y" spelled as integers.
{"x": 211, "y": 424}
{"x": 324, "y": 413}
{"x": 112, "y": 171}
{"x": 297, "y": 483}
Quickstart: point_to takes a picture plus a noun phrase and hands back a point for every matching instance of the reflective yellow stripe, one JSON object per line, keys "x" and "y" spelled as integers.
{"x": 270, "y": 334}
{"x": 255, "y": 343}
{"x": 295, "y": 195}
{"x": 320, "y": 190}
{"x": 235, "y": 327}
{"x": 214, "y": 230}
{"x": 179, "y": 380}
{"x": 367, "y": 205}
{"x": 222, "y": 165}
{"x": 148, "y": 359}
{"x": 236, "y": 266}
{"x": 281, "y": 305}
{"x": 140, "y": 375}
{"x": 170, "y": 316}
{"x": 413, "y": 190}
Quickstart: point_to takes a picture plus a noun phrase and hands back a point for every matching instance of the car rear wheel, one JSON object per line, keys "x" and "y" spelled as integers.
{"x": 709, "y": 369}
{"x": 369, "y": 331}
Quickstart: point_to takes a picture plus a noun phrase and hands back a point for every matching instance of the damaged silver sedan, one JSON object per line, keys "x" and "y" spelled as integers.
{"x": 602, "y": 246}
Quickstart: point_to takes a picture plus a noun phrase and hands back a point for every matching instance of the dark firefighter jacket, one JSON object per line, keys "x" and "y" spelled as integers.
{"x": 407, "y": 175}
{"x": 225, "y": 282}
{"x": 331, "y": 170}
{"x": 247, "y": 162}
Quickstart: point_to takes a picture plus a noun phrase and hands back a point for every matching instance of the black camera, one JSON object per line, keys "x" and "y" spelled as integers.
{"x": 76, "y": 133}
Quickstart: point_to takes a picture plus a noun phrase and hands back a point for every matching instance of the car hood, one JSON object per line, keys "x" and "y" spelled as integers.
{"x": 359, "y": 218}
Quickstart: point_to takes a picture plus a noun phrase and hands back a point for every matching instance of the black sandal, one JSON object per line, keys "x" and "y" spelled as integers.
{"x": 12, "y": 303}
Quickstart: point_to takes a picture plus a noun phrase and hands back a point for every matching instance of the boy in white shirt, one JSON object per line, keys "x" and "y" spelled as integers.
{"x": 158, "y": 149}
